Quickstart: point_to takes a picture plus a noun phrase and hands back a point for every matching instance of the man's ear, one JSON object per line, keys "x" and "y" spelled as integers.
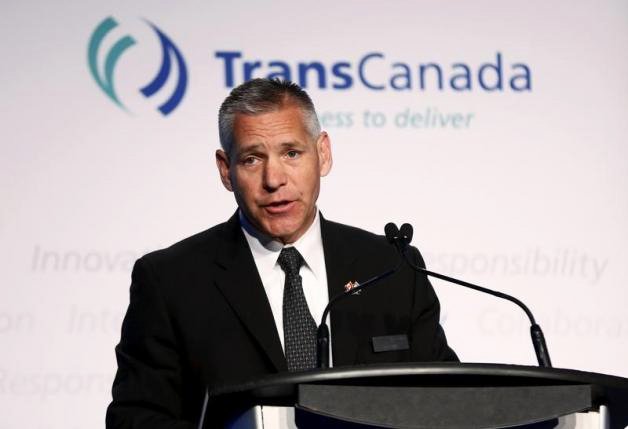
{"x": 325, "y": 160}
{"x": 222, "y": 162}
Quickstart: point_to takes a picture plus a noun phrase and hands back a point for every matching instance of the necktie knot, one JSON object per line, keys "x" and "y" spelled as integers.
{"x": 290, "y": 260}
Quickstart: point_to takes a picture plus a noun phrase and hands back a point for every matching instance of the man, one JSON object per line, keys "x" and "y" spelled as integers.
{"x": 242, "y": 299}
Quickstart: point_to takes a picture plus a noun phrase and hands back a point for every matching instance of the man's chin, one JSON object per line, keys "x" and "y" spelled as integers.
{"x": 285, "y": 236}
{"x": 284, "y": 231}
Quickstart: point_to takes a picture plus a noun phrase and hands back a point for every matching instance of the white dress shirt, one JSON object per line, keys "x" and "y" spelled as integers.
{"x": 313, "y": 272}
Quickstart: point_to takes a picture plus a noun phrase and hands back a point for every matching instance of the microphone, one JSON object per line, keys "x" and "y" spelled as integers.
{"x": 400, "y": 238}
{"x": 404, "y": 236}
{"x": 392, "y": 232}
{"x": 322, "y": 334}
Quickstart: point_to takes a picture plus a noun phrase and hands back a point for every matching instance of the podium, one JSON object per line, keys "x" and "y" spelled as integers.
{"x": 439, "y": 395}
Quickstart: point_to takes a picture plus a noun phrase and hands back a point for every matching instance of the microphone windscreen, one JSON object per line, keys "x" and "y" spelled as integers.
{"x": 406, "y": 233}
{"x": 391, "y": 231}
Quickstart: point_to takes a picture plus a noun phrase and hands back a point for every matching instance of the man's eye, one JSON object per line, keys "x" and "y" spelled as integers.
{"x": 292, "y": 154}
{"x": 249, "y": 160}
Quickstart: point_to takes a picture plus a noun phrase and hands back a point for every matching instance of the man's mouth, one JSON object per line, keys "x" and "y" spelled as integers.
{"x": 279, "y": 207}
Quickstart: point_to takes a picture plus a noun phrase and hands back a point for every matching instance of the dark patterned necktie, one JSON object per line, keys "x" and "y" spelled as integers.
{"x": 299, "y": 327}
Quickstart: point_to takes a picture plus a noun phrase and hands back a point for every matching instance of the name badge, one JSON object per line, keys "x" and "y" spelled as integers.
{"x": 389, "y": 343}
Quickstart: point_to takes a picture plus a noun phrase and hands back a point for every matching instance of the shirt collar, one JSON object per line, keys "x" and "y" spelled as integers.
{"x": 266, "y": 250}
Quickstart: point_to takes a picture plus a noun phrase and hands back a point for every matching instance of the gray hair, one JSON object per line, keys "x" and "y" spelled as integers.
{"x": 262, "y": 96}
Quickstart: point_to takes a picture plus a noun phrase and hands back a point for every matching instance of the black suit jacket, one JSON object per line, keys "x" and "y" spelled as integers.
{"x": 199, "y": 315}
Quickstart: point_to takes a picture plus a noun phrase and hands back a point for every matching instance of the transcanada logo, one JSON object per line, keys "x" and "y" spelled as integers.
{"x": 104, "y": 76}
{"x": 496, "y": 74}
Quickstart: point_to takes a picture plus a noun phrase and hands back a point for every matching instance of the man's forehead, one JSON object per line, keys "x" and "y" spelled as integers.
{"x": 267, "y": 124}
{"x": 280, "y": 128}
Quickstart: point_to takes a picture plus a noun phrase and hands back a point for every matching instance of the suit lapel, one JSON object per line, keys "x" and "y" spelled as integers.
{"x": 239, "y": 282}
{"x": 340, "y": 260}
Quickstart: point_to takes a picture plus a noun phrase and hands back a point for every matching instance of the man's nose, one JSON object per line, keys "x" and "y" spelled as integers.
{"x": 274, "y": 174}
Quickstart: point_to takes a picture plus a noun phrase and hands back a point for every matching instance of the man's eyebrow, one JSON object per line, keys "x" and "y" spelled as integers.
{"x": 256, "y": 147}
{"x": 292, "y": 144}
{"x": 259, "y": 147}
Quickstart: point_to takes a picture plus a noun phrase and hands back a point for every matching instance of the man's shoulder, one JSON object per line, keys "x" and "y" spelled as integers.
{"x": 365, "y": 242}
{"x": 351, "y": 230}
{"x": 354, "y": 236}
{"x": 204, "y": 245}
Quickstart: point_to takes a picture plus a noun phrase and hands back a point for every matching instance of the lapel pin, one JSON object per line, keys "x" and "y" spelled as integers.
{"x": 352, "y": 285}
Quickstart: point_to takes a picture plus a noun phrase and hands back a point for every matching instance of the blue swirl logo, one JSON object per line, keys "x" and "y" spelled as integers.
{"x": 104, "y": 77}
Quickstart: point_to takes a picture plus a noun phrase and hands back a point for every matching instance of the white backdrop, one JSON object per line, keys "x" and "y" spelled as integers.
{"x": 524, "y": 193}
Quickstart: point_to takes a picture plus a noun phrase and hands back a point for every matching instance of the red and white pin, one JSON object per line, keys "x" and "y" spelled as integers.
{"x": 352, "y": 285}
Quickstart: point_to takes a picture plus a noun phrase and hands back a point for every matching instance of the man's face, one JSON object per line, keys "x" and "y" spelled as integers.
{"x": 274, "y": 170}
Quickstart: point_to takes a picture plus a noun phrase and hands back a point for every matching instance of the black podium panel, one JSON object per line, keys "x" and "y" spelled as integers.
{"x": 441, "y": 407}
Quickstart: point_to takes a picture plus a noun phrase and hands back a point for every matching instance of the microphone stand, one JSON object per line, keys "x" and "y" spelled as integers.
{"x": 322, "y": 334}
{"x": 536, "y": 333}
